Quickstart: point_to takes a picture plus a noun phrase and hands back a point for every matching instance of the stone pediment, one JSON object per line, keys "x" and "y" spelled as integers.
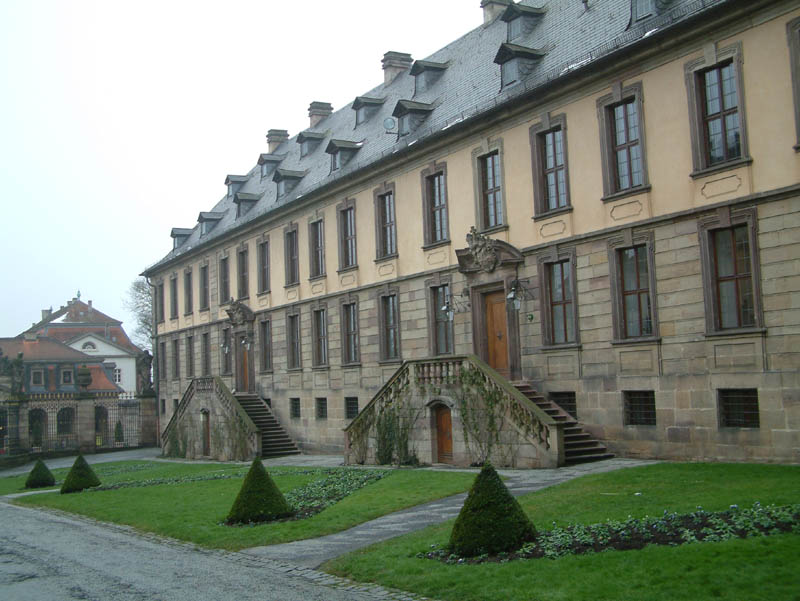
{"x": 486, "y": 254}
{"x": 240, "y": 314}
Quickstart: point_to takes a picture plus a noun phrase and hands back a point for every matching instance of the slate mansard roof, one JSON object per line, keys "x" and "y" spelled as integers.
{"x": 466, "y": 88}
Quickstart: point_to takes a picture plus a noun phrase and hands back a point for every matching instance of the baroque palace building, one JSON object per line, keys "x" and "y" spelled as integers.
{"x": 585, "y": 219}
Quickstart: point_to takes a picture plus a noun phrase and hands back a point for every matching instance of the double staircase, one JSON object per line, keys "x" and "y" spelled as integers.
{"x": 275, "y": 442}
{"x": 579, "y": 446}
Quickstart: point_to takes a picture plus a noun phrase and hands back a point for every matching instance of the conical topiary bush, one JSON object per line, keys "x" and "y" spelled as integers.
{"x": 491, "y": 520}
{"x": 259, "y": 499}
{"x": 40, "y": 476}
{"x": 80, "y": 477}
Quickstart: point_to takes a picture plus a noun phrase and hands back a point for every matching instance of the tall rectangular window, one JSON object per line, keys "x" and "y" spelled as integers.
{"x": 224, "y": 281}
{"x": 162, "y": 361}
{"x": 347, "y": 237}
{"x": 176, "y": 360}
{"x": 720, "y": 114}
{"x": 160, "y": 302}
{"x": 316, "y": 238}
{"x": 204, "y": 296}
{"x": 733, "y": 277}
{"x": 265, "y": 340}
{"x": 263, "y": 267}
{"x": 243, "y": 290}
{"x": 350, "y": 347}
{"x": 293, "y": 341}
{"x": 291, "y": 258}
{"x": 387, "y": 229}
{"x": 319, "y": 334}
{"x": 491, "y": 190}
{"x": 206, "y": 354}
{"x": 227, "y": 349}
{"x": 640, "y": 407}
{"x": 626, "y": 148}
{"x": 390, "y": 333}
{"x": 350, "y": 407}
{"x": 173, "y": 298}
{"x": 634, "y": 277}
{"x": 294, "y": 408}
{"x": 436, "y": 208}
{"x": 442, "y": 326}
{"x": 562, "y": 325}
{"x": 322, "y": 408}
{"x": 188, "y": 297}
{"x": 190, "y": 356}
{"x": 554, "y": 171}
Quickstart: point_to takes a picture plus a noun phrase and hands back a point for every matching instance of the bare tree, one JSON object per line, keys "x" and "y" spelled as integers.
{"x": 139, "y": 302}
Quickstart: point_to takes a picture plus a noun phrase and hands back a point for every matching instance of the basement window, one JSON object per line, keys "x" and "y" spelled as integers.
{"x": 738, "y": 408}
{"x": 640, "y": 407}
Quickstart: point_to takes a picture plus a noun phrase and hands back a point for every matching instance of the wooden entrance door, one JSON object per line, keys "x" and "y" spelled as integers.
{"x": 444, "y": 435}
{"x": 497, "y": 332}
{"x": 243, "y": 368}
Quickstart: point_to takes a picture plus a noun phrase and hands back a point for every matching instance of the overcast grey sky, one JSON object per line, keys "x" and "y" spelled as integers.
{"x": 120, "y": 120}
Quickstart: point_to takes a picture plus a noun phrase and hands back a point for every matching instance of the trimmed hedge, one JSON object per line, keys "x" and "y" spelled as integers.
{"x": 40, "y": 476}
{"x": 80, "y": 477}
{"x": 491, "y": 520}
{"x": 259, "y": 499}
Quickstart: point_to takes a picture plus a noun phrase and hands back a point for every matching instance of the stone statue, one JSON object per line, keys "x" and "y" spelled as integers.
{"x": 144, "y": 383}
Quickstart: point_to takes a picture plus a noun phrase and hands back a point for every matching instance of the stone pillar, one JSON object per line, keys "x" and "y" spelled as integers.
{"x": 148, "y": 412}
{"x": 84, "y": 424}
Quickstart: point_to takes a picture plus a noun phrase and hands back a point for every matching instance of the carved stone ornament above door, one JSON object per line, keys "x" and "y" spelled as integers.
{"x": 486, "y": 254}
{"x": 240, "y": 314}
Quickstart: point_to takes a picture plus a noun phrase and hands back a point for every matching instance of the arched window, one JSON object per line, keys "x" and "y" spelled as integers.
{"x": 37, "y": 427}
{"x": 89, "y": 346}
{"x": 65, "y": 421}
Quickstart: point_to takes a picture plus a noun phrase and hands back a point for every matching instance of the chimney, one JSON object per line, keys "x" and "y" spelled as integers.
{"x": 317, "y": 111}
{"x": 493, "y": 9}
{"x": 395, "y": 63}
{"x": 47, "y": 313}
{"x": 90, "y": 304}
{"x": 276, "y": 137}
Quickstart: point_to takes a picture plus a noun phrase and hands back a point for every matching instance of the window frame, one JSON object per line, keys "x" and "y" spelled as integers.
{"x": 348, "y": 406}
{"x": 162, "y": 360}
{"x": 428, "y": 178}
{"x": 384, "y": 326}
{"x": 625, "y": 240}
{"x": 173, "y": 296}
{"x": 724, "y": 413}
{"x": 263, "y": 265}
{"x": 291, "y": 254}
{"x": 319, "y": 336}
{"x": 176, "y": 359}
{"x": 382, "y": 225}
{"x": 538, "y": 140}
{"x": 224, "y": 276}
{"x": 34, "y": 373}
{"x": 605, "y": 107}
{"x": 350, "y": 339}
{"x": 793, "y": 39}
{"x": 295, "y": 409}
{"x": 160, "y": 306}
{"x": 488, "y": 148}
{"x": 712, "y": 58}
{"x": 188, "y": 296}
{"x": 294, "y": 351}
{"x": 226, "y": 367}
{"x": 316, "y": 248}
{"x": 348, "y": 240}
{"x": 67, "y": 377}
{"x": 544, "y": 261}
{"x": 321, "y": 408}
{"x": 265, "y": 344}
{"x": 639, "y": 416}
{"x": 190, "y": 356}
{"x": 726, "y": 218}
{"x": 243, "y": 272}
{"x": 205, "y": 297}
{"x": 205, "y": 353}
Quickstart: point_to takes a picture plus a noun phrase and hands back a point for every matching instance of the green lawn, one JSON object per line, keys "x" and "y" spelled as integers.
{"x": 193, "y": 511}
{"x": 752, "y": 569}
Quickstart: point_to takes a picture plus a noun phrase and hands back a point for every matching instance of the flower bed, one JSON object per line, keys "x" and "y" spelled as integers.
{"x": 635, "y": 533}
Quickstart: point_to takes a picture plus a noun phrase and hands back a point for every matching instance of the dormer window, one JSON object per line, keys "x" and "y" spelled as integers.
{"x": 365, "y": 107}
{"x": 521, "y": 20}
{"x": 643, "y": 9}
{"x": 426, "y": 73}
{"x": 516, "y": 62}
{"x": 208, "y": 221}
{"x": 234, "y": 183}
{"x": 410, "y": 115}
{"x": 341, "y": 152}
{"x": 287, "y": 180}
{"x": 179, "y": 236}
{"x": 309, "y": 140}
{"x": 268, "y": 162}
{"x": 244, "y": 202}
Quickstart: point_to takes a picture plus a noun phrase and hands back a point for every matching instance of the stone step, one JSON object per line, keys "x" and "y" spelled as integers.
{"x": 275, "y": 442}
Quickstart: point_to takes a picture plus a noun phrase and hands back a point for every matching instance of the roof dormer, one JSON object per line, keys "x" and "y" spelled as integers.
{"x": 365, "y": 107}
{"x": 521, "y": 20}
{"x": 309, "y": 140}
{"x": 267, "y": 163}
{"x": 208, "y": 220}
{"x": 341, "y": 152}
{"x": 245, "y": 201}
{"x": 410, "y": 115}
{"x": 516, "y": 62}
{"x": 179, "y": 235}
{"x": 234, "y": 183}
{"x": 287, "y": 180}
{"x": 426, "y": 73}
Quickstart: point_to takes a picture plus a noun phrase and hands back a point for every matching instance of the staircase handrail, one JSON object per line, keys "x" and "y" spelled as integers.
{"x": 188, "y": 394}
{"x": 224, "y": 393}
